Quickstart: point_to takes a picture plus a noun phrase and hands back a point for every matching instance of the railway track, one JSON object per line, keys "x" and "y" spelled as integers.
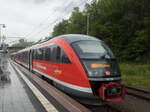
{"x": 138, "y": 92}
{"x": 111, "y": 108}
{"x": 104, "y": 108}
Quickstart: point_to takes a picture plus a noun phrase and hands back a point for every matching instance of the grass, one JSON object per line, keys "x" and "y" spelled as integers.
{"x": 136, "y": 75}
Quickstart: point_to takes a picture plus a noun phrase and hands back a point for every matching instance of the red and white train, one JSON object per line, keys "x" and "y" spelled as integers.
{"x": 80, "y": 65}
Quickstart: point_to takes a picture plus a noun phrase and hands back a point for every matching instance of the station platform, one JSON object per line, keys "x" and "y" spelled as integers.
{"x": 15, "y": 94}
{"x": 23, "y": 91}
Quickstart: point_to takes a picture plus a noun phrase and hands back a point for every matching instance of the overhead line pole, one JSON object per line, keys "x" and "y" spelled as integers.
{"x": 88, "y": 18}
{"x": 3, "y": 26}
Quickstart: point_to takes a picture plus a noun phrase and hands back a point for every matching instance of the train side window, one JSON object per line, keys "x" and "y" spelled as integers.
{"x": 24, "y": 56}
{"x": 36, "y": 54}
{"x": 54, "y": 53}
{"x": 39, "y": 54}
{"x": 33, "y": 54}
{"x": 43, "y": 53}
{"x": 47, "y": 53}
{"x": 58, "y": 54}
{"x": 27, "y": 56}
{"x": 64, "y": 57}
{"x": 61, "y": 56}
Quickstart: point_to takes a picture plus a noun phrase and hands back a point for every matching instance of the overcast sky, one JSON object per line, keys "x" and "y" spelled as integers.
{"x": 34, "y": 19}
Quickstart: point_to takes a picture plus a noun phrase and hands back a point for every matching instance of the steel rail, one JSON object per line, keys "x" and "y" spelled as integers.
{"x": 138, "y": 92}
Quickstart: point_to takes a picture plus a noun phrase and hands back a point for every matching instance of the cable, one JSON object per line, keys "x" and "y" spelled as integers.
{"x": 45, "y": 20}
{"x": 65, "y": 9}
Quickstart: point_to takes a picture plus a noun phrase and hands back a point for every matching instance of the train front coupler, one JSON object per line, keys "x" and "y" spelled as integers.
{"x": 112, "y": 91}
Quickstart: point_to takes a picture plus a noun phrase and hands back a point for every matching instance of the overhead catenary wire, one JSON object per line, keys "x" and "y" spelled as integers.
{"x": 38, "y": 25}
{"x": 59, "y": 18}
{"x": 68, "y": 6}
{"x": 42, "y": 22}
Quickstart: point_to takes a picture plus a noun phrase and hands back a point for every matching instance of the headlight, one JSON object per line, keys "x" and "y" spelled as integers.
{"x": 98, "y": 73}
{"x": 94, "y": 73}
{"x": 107, "y": 73}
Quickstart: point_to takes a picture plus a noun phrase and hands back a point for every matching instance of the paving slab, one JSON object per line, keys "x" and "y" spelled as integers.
{"x": 13, "y": 96}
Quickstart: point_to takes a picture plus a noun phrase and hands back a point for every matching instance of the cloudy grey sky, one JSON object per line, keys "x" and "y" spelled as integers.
{"x": 34, "y": 19}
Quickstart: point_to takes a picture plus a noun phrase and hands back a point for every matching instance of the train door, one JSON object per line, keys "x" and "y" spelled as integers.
{"x": 30, "y": 60}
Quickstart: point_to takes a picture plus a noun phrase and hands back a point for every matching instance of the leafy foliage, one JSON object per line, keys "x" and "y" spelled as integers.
{"x": 60, "y": 28}
{"x": 123, "y": 24}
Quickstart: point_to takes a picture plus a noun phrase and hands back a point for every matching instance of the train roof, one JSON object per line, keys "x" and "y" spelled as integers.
{"x": 70, "y": 38}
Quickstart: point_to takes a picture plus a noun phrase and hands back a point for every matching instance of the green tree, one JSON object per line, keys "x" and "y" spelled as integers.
{"x": 122, "y": 24}
{"x": 77, "y": 22}
{"x": 60, "y": 28}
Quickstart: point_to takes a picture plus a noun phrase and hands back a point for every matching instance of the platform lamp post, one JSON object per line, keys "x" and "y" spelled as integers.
{"x": 1, "y": 26}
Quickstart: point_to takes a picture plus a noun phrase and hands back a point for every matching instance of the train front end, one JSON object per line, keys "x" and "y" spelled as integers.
{"x": 101, "y": 68}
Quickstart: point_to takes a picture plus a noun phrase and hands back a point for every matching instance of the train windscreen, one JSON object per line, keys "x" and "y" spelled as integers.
{"x": 92, "y": 50}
